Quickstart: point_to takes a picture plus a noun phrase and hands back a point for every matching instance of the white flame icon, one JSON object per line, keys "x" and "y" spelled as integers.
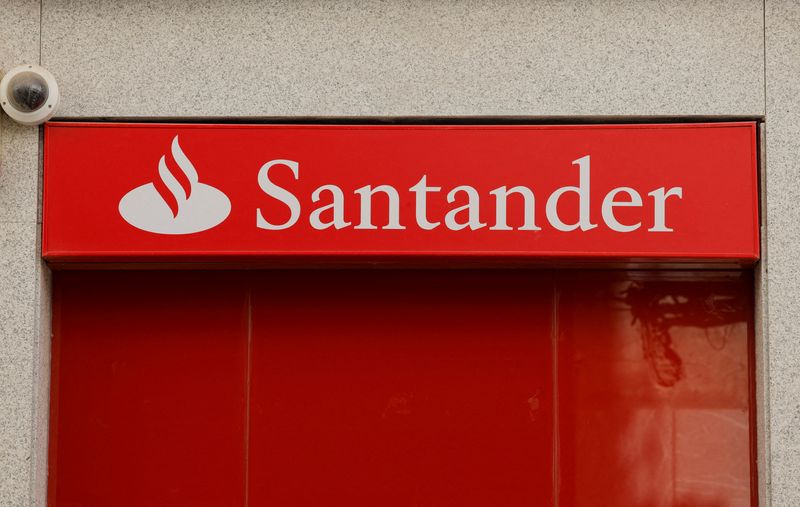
{"x": 185, "y": 207}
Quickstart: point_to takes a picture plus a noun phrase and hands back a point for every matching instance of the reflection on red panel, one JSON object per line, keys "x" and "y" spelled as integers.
{"x": 654, "y": 390}
{"x": 393, "y": 388}
{"x": 148, "y": 404}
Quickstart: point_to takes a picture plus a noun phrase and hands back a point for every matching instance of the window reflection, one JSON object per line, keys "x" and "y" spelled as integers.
{"x": 654, "y": 373}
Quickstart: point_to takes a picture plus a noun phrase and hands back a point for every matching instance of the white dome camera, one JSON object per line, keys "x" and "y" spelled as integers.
{"x": 29, "y": 94}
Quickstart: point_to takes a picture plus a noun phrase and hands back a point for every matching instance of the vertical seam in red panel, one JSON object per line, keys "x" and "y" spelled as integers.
{"x": 556, "y": 421}
{"x": 248, "y": 377}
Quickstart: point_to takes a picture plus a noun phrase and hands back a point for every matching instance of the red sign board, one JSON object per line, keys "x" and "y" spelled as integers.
{"x": 188, "y": 192}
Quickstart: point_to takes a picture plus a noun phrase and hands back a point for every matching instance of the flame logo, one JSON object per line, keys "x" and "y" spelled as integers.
{"x": 176, "y": 203}
{"x": 179, "y": 192}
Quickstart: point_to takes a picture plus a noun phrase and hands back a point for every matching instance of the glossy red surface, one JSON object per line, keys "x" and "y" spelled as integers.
{"x": 89, "y": 168}
{"x": 378, "y": 387}
{"x": 429, "y": 389}
{"x": 148, "y": 390}
{"x": 655, "y": 391}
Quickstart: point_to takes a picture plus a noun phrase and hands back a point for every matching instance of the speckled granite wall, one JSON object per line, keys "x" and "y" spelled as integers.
{"x": 783, "y": 268}
{"x": 24, "y": 330}
{"x": 408, "y": 57}
{"x": 228, "y": 58}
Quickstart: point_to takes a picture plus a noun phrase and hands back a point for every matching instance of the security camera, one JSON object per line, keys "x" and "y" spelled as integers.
{"x": 29, "y": 94}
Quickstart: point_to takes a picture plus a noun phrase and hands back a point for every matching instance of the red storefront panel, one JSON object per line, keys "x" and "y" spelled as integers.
{"x": 148, "y": 389}
{"x": 504, "y": 387}
{"x": 404, "y": 389}
{"x": 654, "y": 377}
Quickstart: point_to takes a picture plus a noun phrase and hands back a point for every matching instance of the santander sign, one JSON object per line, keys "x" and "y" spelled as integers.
{"x": 464, "y": 213}
{"x": 250, "y": 193}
